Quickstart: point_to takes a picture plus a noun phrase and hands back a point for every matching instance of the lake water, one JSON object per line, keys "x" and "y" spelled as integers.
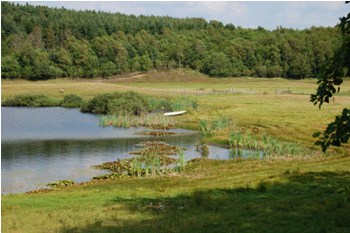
{"x": 43, "y": 145}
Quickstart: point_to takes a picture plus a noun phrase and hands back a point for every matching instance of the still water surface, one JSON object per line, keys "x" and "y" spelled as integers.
{"x": 43, "y": 145}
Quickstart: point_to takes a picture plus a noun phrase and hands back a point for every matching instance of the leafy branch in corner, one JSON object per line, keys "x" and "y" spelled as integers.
{"x": 337, "y": 132}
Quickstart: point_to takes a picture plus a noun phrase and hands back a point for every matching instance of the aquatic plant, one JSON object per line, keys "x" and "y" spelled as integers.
{"x": 235, "y": 139}
{"x": 181, "y": 162}
{"x": 150, "y": 148}
{"x": 156, "y": 121}
{"x": 268, "y": 145}
{"x": 235, "y": 153}
{"x": 136, "y": 167}
{"x": 205, "y": 128}
{"x": 208, "y": 128}
{"x": 203, "y": 149}
{"x": 158, "y": 133}
{"x": 61, "y": 184}
{"x": 151, "y": 160}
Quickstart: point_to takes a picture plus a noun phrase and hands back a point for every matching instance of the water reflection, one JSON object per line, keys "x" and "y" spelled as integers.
{"x": 238, "y": 153}
{"x": 43, "y": 145}
{"x": 32, "y": 164}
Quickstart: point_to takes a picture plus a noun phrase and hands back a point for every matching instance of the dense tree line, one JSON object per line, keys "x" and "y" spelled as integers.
{"x": 42, "y": 43}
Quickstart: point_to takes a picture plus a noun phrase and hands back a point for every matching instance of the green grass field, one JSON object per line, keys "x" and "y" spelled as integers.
{"x": 212, "y": 196}
{"x": 309, "y": 193}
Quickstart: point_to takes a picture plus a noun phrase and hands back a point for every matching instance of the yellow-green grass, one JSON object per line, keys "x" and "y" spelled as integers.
{"x": 289, "y": 117}
{"x": 165, "y": 83}
{"x": 211, "y": 196}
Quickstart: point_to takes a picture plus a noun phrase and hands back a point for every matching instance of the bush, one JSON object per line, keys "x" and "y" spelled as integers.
{"x": 72, "y": 101}
{"x": 29, "y": 100}
{"x": 128, "y": 103}
{"x": 117, "y": 103}
{"x": 98, "y": 104}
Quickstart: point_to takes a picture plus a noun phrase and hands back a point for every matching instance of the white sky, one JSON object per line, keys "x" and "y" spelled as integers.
{"x": 247, "y": 14}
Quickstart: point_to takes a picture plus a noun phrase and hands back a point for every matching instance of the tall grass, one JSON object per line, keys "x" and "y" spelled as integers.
{"x": 269, "y": 145}
{"x": 181, "y": 162}
{"x": 205, "y": 128}
{"x": 152, "y": 120}
{"x": 172, "y": 104}
{"x": 208, "y": 128}
{"x": 146, "y": 166}
{"x": 151, "y": 160}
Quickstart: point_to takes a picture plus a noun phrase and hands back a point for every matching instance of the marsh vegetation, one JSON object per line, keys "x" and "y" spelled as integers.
{"x": 151, "y": 160}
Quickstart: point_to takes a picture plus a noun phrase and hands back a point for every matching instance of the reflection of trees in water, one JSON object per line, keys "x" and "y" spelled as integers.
{"x": 80, "y": 147}
{"x": 52, "y": 160}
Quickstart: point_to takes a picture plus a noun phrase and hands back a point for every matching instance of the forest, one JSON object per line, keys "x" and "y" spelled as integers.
{"x": 39, "y": 43}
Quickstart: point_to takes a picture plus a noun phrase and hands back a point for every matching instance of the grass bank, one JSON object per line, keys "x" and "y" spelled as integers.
{"x": 211, "y": 196}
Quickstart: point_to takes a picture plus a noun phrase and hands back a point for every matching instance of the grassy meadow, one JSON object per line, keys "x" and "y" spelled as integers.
{"x": 304, "y": 193}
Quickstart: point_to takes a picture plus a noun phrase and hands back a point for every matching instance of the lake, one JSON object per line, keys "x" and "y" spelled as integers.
{"x": 43, "y": 145}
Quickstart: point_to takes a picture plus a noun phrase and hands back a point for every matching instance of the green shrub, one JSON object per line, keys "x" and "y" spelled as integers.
{"x": 117, "y": 103}
{"x": 98, "y": 104}
{"x": 128, "y": 103}
{"x": 29, "y": 100}
{"x": 72, "y": 101}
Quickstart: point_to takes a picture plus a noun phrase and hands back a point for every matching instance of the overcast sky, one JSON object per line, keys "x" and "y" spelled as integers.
{"x": 300, "y": 15}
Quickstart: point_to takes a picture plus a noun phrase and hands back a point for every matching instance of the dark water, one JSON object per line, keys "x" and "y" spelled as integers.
{"x": 43, "y": 145}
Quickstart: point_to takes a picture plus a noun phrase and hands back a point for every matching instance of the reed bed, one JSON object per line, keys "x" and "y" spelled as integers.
{"x": 151, "y": 160}
{"x": 267, "y": 145}
{"x": 208, "y": 128}
{"x": 152, "y": 120}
